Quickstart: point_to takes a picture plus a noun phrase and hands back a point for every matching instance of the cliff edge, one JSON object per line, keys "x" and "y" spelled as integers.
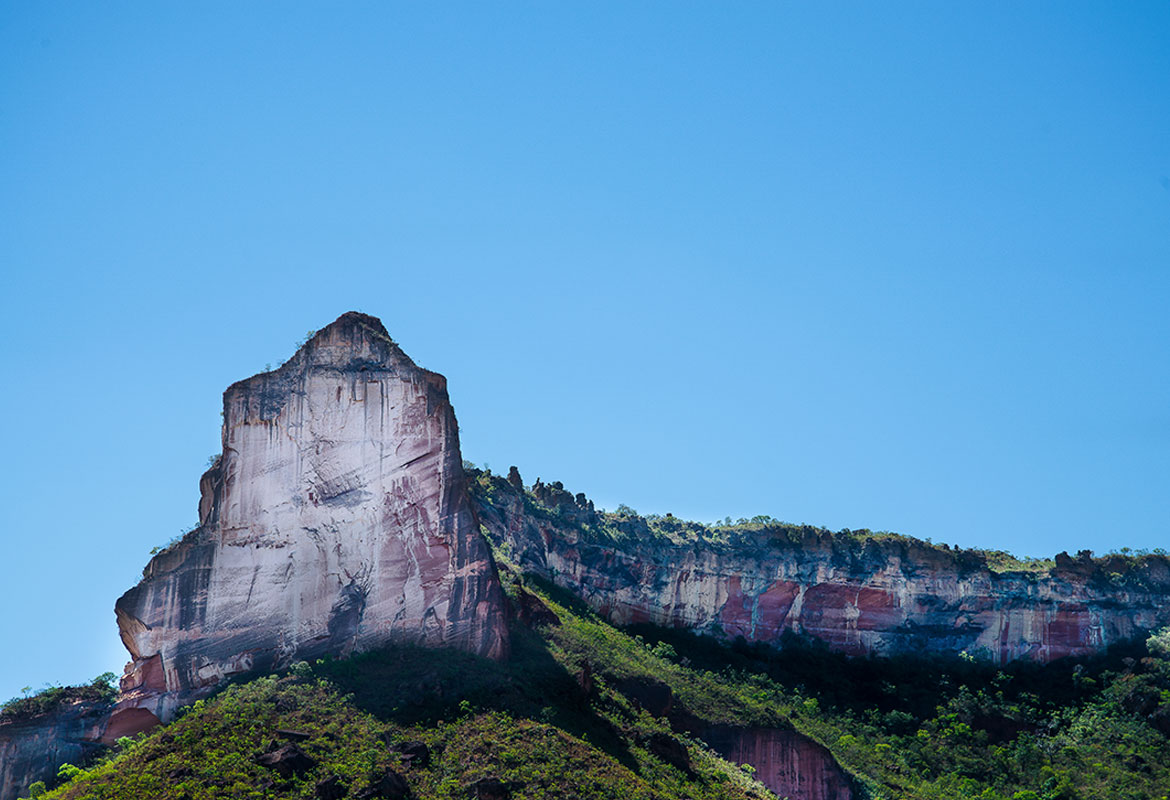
{"x": 882, "y": 595}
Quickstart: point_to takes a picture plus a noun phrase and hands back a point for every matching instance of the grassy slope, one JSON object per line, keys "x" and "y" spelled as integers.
{"x": 909, "y": 728}
{"x": 526, "y": 722}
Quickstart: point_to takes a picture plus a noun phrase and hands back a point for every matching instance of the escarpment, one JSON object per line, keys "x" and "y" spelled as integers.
{"x": 859, "y": 595}
{"x": 336, "y": 519}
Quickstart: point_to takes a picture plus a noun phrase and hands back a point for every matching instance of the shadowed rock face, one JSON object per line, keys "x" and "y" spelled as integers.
{"x": 32, "y": 748}
{"x": 337, "y": 519}
{"x": 791, "y": 765}
{"x": 882, "y": 597}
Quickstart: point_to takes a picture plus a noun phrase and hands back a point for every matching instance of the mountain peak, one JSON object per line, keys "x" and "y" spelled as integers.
{"x": 356, "y": 320}
{"x": 352, "y": 337}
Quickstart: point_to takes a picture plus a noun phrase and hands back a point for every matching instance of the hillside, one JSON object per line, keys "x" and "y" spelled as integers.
{"x": 353, "y": 586}
{"x": 585, "y": 710}
{"x": 551, "y": 722}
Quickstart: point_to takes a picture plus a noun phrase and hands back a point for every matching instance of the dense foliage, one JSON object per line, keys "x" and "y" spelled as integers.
{"x": 957, "y": 728}
{"x": 557, "y": 720}
{"x": 532, "y": 724}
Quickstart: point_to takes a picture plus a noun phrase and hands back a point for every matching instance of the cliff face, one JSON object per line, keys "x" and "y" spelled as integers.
{"x": 32, "y": 748}
{"x": 789, "y": 764}
{"x": 336, "y": 519}
{"x": 877, "y": 596}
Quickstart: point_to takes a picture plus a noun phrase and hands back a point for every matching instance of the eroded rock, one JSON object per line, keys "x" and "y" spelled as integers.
{"x": 490, "y": 789}
{"x": 881, "y": 596}
{"x": 336, "y": 520}
{"x": 390, "y": 786}
{"x": 789, "y": 764}
{"x": 534, "y": 612}
{"x": 287, "y": 760}
{"x": 414, "y": 754}
{"x": 33, "y": 747}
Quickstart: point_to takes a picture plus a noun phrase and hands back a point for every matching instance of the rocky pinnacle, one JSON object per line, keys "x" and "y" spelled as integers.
{"x": 336, "y": 519}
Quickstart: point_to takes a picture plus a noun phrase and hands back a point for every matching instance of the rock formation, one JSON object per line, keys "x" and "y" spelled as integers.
{"x": 33, "y": 747}
{"x": 882, "y": 596}
{"x": 788, "y": 763}
{"x": 336, "y": 519}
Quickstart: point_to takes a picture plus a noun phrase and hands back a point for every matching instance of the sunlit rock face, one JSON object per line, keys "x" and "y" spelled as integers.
{"x": 337, "y": 519}
{"x": 884, "y": 597}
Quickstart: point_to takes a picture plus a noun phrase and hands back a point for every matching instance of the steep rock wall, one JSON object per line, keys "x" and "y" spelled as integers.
{"x": 32, "y": 748}
{"x": 791, "y": 765}
{"x": 879, "y": 596}
{"x": 336, "y": 519}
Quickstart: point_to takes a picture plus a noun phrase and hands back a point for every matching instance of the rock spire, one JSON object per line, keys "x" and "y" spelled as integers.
{"x": 336, "y": 519}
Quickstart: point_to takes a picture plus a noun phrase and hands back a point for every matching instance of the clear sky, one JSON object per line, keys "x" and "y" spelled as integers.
{"x": 902, "y": 266}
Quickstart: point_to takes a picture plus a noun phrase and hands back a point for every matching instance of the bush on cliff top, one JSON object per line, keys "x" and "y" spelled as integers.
{"x": 103, "y": 688}
{"x": 763, "y": 532}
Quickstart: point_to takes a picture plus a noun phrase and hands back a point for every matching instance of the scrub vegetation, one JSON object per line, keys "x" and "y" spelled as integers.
{"x": 571, "y": 715}
{"x": 103, "y": 688}
{"x": 762, "y": 533}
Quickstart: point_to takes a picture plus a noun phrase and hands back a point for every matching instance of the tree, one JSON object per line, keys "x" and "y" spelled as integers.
{"x": 1159, "y": 643}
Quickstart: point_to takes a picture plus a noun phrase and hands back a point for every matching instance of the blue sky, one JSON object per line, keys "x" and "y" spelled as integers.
{"x": 897, "y": 266}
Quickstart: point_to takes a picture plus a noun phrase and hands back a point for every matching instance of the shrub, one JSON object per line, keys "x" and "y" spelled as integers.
{"x": 1159, "y": 643}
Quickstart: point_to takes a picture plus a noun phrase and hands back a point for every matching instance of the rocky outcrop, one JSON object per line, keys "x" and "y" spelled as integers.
{"x": 33, "y": 747}
{"x": 860, "y": 595}
{"x": 788, "y": 763}
{"x": 336, "y": 519}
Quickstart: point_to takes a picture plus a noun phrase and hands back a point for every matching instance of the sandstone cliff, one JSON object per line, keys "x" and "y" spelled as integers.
{"x": 791, "y": 765}
{"x": 860, "y": 595}
{"x": 33, "y": 747}
{"x": 336, "y": 519}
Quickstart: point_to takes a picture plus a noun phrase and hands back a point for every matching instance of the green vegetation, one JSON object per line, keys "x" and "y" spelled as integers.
{"x": 541, "y": 723}
{"x": 1001, "y": 561}
{"x": 100, "y": 689}
{"x": 625, "y": 526}
{"x": 562, "y": 718}
{"x": 921, "y": 727}
{"x": 176, "y": 539}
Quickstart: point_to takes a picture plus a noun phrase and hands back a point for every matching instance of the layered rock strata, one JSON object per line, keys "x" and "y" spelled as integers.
{"x": 336, "y": 519}
{"x": 869, "y": 595}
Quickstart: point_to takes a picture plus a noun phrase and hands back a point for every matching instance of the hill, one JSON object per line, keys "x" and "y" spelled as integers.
{"x": 360, "y": 614}
{"x": 586, "y": 710}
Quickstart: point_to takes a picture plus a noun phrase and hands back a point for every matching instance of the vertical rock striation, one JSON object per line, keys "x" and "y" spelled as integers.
{"x": 873, "y": 596}
{"x": 336, "y": 519}
{"x": 791, "y": 765}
